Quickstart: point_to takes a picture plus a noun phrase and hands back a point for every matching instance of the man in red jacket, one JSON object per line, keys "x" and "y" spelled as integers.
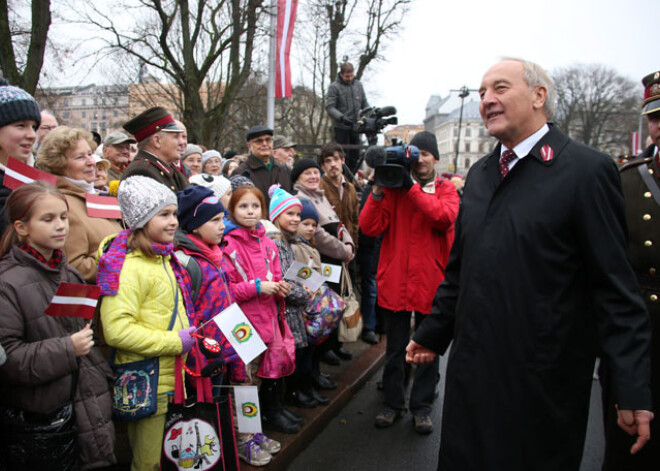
{"x": 418, "y": 227}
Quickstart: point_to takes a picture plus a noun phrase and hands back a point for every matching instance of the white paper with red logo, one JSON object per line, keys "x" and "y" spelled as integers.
{"x": 74, "y": 300}
{"x": 240, "y": 332}
{"x": 331, "y": 273}
{"x": 305, "y": 275}
{"x": 106, "y": 207}
{"x": 248, "y": 410}
{"x": 18, "y": 174}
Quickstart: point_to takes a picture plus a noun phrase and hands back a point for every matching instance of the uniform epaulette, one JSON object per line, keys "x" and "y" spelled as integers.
{"x": 635, "y": 162}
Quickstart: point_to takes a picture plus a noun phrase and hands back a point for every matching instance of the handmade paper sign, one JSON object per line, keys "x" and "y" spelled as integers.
{"x": 331, "y": 273}
{"x": 248, "y": 412}
{"x": 304, "y": 275}
{"x": 240, "y": 332}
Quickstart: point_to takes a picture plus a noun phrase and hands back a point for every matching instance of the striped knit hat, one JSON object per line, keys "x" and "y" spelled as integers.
{"x": 280, "y": 201}
{"x": 17, "y": 105}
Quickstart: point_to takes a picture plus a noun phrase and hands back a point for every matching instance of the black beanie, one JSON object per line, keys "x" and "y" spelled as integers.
{"x": 426, "y": 141}
{"x": 17, "y": 105}
{"x": 302, "y": 165}
{"x": 197, "y": 206}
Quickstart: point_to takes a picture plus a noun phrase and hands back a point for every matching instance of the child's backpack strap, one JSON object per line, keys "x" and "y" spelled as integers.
{"x": 194, "y": 271}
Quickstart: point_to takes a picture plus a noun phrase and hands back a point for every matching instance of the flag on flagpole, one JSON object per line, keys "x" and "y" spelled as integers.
{"x": 635, "y": 147}
{"x": 74, "y": 300}
{"x": 102, "y": 206}
{"x": 286, "y": 17}
{"x": 240, "y": 332}
{"x": 18, "y": 174}
{"x": 248, "y": 413}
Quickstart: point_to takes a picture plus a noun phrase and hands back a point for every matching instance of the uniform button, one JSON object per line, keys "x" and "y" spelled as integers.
{"x": 646, "y": 217}
{"x": 647, "y": 194}
{"x": 162, "y": 174}
{"x": 651, "y": 171}
{"x": 651, "y": 271}
{"x": 173, "y": 189}
{"x": 653, "y": 297}
{"x": 648, "y": 243}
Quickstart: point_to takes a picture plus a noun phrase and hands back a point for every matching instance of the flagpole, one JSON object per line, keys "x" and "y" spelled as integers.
{"x": 270, "y": 107}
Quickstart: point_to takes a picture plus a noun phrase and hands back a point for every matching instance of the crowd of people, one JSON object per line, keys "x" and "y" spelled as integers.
{"x": 525, "y": 269}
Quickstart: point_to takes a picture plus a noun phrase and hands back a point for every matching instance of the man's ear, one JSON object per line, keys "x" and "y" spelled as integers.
{"x": 540, "y": 95}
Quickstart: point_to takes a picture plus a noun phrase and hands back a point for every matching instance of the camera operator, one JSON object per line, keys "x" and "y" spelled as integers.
{"x": 344, "y": 101}
{"x": 417, "y": 223}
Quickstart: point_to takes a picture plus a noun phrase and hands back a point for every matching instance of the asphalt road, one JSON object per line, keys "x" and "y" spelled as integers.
{"x": 351, "y": 442}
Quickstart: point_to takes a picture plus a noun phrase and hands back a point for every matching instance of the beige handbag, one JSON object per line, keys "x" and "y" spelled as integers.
{"x": 350, "y": 325}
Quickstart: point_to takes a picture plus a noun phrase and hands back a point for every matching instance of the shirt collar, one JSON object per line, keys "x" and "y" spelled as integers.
{"x": 525, "y": 147}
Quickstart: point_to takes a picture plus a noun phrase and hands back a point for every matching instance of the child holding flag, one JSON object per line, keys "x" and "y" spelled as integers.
{"x": 54, "y": 377}
{"x": 252, "y": 265}
{"x": 146, "y": 299}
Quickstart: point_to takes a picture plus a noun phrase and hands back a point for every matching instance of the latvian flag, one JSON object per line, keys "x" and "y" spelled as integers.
{"x": 74, "y": 300}
{"x": 286, "y": 17}
{"x": 18, "y": 174}
{"x": 102, "y": 207}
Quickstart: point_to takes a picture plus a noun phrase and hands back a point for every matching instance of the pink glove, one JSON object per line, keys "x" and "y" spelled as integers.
{"x": 186, "y": 339}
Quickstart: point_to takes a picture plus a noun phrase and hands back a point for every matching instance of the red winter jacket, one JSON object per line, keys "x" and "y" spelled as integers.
{"x": 418, "y": 230}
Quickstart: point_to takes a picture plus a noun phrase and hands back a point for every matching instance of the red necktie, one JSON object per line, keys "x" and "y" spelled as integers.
{"x": 508, "y": 156}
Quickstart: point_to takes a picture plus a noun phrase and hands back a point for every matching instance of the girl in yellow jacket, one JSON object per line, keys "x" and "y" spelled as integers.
{"x": 144, "y": 289}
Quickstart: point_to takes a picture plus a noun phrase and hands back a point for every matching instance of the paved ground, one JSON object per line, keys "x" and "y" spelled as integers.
{"x": 351, "y": 442}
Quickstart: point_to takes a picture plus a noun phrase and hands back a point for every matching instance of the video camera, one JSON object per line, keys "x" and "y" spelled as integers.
{"x": 372, "y": 120}
{"x": 390, "y": 163}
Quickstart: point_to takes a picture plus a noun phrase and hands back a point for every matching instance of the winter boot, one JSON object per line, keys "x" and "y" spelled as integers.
{"x": 272, "y": 417}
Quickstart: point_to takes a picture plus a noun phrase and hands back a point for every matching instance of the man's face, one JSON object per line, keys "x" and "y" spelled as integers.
{"x": 133, "y": 152}
{"x": 48, "y": 123}
{"x": 654, "y": 127}
{"x": 424, "y": 166}
{"x": 347, "y": 76}
{"x": 509, "y": 109}
{"x": 281, "y": 155}
{"x": 261, "y": 147}
{"x": 117, "y": 154}
{"x": 168, "y": 145}
{"x": 333, "y": 166}
{"x": 183, "y": 138}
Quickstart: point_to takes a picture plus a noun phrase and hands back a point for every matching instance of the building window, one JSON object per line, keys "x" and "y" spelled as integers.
{"x": 104, "y": 114}
{"x": 468, "y": 132}
{"x": 66, "y": 115}
{"x": 115, "y": 113}
{"x": 84, "y": 102}
{"x": 84, "y": 114}
{"x": 467, "y": 163}
{"x": 92, "y": 126}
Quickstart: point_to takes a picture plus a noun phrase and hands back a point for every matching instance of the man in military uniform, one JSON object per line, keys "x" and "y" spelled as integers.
{"x": 260, "y": 166}
{"x": 159, "y": 143}
{"x": 640, "y": 179}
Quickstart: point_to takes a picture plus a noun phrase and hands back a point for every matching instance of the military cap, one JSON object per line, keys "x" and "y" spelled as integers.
{"x": 256, "y": 131}
{"x": 150, "y": 122}
{"x": 117, "y": 137}
{"x": 282, "y": 142}
{"x": 651, "y": 102}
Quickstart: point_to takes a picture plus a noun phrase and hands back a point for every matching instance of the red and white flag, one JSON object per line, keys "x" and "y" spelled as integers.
{"x": 635, "y": 145}
{"x": 18, "y": 174}
{"x": 74, "y": 300}
{"x": 547, "y": 153}
{"x": 286, "y": 17}
{"x": 102, "y": 207}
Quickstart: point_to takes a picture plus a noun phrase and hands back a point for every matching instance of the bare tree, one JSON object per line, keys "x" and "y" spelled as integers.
{"x": 200, "y": 53}
{"x": 597, "y": 106}
{"x": 22, "y": 47}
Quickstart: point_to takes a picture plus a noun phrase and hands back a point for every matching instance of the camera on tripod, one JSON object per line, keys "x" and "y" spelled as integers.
{"x": 391, "y": 163}
{"x": 372, "y": 120}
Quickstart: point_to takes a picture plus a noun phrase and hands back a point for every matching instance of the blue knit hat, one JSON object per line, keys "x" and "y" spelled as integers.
{"x": 281, "y": 201}
{"x": 308, "y": 210}
{"x": 197, "y": 206}
{"x": 16, "y": 105}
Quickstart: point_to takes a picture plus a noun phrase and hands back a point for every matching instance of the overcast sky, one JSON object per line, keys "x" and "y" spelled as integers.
{"x": 448, "y": 44}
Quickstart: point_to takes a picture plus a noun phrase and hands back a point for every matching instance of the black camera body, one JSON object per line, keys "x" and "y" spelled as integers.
{"x": 372, "y": 121}
{"x": 391, "y": 163}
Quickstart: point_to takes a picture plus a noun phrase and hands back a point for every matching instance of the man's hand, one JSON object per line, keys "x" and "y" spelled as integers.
{"x": 376, "y": 190}
{"x": 419, "y": 355}
{"x": 636, "y": 422}
{"x": 347, "y": 121}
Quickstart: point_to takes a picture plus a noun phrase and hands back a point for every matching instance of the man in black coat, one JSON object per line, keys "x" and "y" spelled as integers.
{"x": 537, "y": 279}
{"x": 640, "y": 179}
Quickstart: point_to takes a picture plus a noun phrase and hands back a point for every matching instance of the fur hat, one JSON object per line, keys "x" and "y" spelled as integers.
{"x": 308, "y": 210}
{"x": 140, "y": 199}
{"x": 197, "y": 206}
{"x": 17, "y": 105}
{"x": 280, "y": 202}
{"x": 218, "y": 183}
{"x": 302, "y": 165}
{"x": 426, "y": 141}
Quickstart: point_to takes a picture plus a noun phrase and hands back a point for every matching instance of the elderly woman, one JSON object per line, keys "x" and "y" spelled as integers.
{"x": 212, "y": 162}
{"x": 19, "y": 120}
{"x": 67, "y": 153}
{"x": 192, "y": 157}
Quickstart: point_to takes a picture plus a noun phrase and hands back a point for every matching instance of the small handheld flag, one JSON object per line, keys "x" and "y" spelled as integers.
{"x": 18, "y": 174}
{"x": 74, "y": 300}
{"x": 102, "y": 206}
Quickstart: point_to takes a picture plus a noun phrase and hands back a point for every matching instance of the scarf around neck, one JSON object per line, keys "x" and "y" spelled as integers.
{"x": 112, "y": 261}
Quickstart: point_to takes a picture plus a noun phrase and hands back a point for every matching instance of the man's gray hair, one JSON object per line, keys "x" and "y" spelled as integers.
{"x": 536, "y": 76}
{"x": 146, "y": 142}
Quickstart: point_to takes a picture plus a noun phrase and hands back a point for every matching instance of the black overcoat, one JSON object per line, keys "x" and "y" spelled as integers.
{"x": 537, "y": 276}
